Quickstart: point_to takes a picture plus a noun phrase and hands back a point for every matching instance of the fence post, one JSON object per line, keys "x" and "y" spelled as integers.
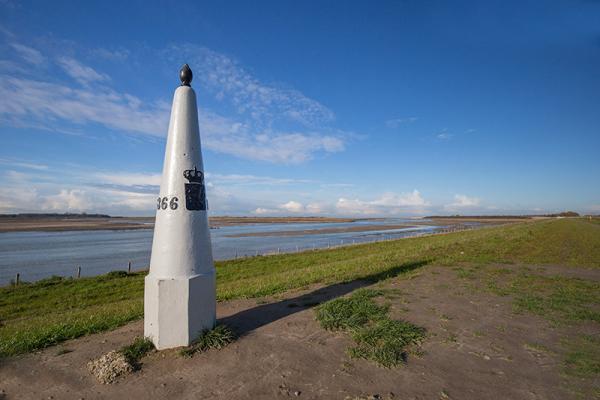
{"x": 129, "y": 267}
{"x": 78, "y": 271}
{"x": 17, "y": 279}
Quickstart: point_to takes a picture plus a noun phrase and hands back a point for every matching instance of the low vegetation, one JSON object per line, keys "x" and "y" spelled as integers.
{"x": 135, "y": 351}
{"x": 216, "y": 338}
{"x": 41, "y": 314}
{"x": 566, "y": 302}
{"x": 349, "y": 313}
{"x": 377, "y": 337}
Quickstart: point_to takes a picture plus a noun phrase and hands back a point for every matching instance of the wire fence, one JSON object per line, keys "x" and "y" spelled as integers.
{"x": 316, "y": 246}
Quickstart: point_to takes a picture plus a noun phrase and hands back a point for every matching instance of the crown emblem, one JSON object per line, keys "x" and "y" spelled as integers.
{"x": 193, "y": 175}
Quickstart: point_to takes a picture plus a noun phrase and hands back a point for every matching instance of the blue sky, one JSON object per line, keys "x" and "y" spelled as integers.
{"x": 321, "y": 108}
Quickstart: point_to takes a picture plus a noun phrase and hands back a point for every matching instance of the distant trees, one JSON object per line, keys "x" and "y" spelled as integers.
{"x": 564, "y": 214}
{"x": 561, "y": 214}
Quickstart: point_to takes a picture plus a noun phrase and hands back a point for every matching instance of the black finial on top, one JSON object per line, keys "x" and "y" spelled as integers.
{"x": 185, "y": 75}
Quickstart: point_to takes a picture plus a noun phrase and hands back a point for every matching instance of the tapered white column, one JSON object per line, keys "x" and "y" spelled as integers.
{"x": 179, "y": 293}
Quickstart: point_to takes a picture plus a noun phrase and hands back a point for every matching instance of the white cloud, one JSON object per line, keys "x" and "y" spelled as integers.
{"x": 81, "y": 73}
{"x": 23, "y": 164}
{"x": 67, "y": 200}
{"x": 387, "y": 204}
{"x": 444, "y": 135}
{"x": 462, "y": 201}
{"x": 129, "y": 179}
{"x": 29, "y": 54}
{"x": 314, "y": 208}
{"x": 52, "y": 106}
{"x": 293, "y": 207}
{"x": 264, "y": 211}
{"x": 14, "y": 201}
{"x": 239, "y": 179}
{"x": 224, "y": 135}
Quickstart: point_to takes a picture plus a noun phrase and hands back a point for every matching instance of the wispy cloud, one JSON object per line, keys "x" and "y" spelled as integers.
{"x": 241, "y": 139}
{"x": 462, "y": 201}
{"x": 239, "y": 179}
{"x": 119, "y": 54}
{"x": 251, "y": 132}
{"x": 23, "y": 164}
{"x": 129, "y": 179}
{"x": 81, "y": 73}
{"x": 54, "y": 104}
{"x": 396, "y": 122}
{"x": 387, "y": 204}
{"x": 444, "y": 135}
{"x": 29, "y": 54}
{"x": 264, "y": 103}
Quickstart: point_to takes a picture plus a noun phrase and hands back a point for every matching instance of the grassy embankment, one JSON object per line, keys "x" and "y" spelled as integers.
{"x": 38, "y": 315}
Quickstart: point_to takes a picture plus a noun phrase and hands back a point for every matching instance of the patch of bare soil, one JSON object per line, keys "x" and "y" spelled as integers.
{"x": 476, "y": 348}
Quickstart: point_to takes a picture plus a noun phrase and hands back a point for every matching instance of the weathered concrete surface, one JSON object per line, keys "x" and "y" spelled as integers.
{"x": 179, "y": 298}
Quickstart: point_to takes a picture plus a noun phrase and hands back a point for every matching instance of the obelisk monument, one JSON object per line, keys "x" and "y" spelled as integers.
{"x": 179, "y": 293}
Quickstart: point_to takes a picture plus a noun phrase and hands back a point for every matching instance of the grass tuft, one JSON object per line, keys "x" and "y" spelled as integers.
{"x": 135, "y": 351}
{"x": 351, "y": 312}
{"x": 216, "y": 338}
{"x": 583, "y": 359}
{"x": 385, "y": 341}
{"x": 378, "y": 338}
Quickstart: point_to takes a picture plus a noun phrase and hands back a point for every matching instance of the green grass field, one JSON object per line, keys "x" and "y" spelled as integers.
{"x": 34, "y": 316}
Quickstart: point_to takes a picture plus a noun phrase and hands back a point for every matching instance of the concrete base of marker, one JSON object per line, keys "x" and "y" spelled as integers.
{"x": 177, "y": 310}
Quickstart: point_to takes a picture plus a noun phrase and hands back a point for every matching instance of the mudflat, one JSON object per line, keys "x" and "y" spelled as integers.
{"x": 364, "y": 228}
{"x": 73, "y": 224}
{"x": 48, "y": 224}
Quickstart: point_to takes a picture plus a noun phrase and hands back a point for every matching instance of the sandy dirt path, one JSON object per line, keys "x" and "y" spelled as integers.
{"x": 477, "y": 348}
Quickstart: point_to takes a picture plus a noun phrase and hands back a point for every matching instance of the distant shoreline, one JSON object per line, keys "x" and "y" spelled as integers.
{"x": 303, "y": 232}
{"x": 72, "y": 222}
{"x": 80, "y": 222}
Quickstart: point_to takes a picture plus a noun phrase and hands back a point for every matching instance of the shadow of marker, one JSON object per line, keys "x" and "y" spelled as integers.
{"x": 246, "y": 321}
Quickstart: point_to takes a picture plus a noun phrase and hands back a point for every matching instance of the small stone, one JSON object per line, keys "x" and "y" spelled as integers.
{"x": 297, "y": 393}
{"x": 163, "y": 384}
{"x": 486, "y": 357}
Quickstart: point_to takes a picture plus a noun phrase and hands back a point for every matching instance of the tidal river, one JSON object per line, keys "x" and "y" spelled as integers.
{"x": 38, "y": 255}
